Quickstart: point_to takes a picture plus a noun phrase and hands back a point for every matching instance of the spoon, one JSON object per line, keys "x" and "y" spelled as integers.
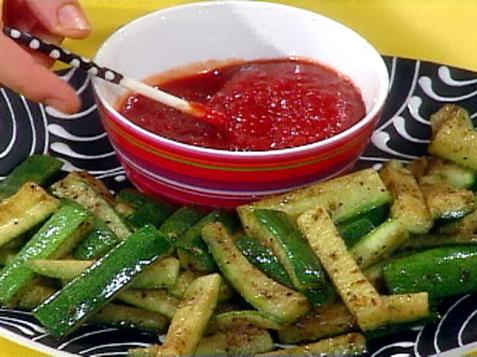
{"x": 197, "y": 110}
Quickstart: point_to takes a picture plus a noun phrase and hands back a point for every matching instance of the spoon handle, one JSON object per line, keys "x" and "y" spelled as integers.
{"x": 61, "y": 54}
{"x": 58, "y": 53}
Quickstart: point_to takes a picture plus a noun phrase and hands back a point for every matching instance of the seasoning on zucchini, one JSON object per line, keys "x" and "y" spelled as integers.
{"x": 145, "y": 210}
{"x": 192, "y": 250}
{"x": 336, "y": 319}
{"x": 186, "y": 277}
{"x": 35, "y": 295}
{"x": 455, "y": 175}
{"x": 76, "y": 188}
{"x": 447, "y": 112}
{"x": 437, "y": 240}
{"x": 345, "y": 197}
{"x": 97, "y": 243}
{"x": 229, "y": 320}
{"x": 160, "y": 274}
{"x": 263, "y": 258}
{"x": 352, "y": 344}
{"x": 265, "y": 294}
{"x": 454, "y": 137}
{"x": 100, "y": 283}
{"x": 153, "y": 300}
{"x": 130, "y": 317}
{"x": 40, "y": 169}
{"x": 379, "y": 244}
{"x": 192, "y": 317}
{"x": 320, "y": 323}
{"x": 244, "y": 340}
{"x": 444, "y": 201}
{"x": 358, "y": 294}
{"x": 179, "y": 222}
{"x": 441, "y": 272}
{"x": 28, "y": 207}
{"x": 54, "y": 239}
{"x": 463, "y": 226}
{"x": 292, "y": 250}
{"x": 409, "y": 206}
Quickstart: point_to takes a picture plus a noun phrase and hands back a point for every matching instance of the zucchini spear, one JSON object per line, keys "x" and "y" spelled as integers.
{"x": 94, "y": 288}
{"x": 39, "y": 169}
{"x": 191, "y": 319}
{"x": 54, "y": 239}
{"x": 265, "y": 294}
{"x": 30, "y": 206}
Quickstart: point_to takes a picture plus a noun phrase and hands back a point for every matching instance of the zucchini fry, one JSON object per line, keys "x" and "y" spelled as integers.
{"x": 39, "y": 169}
{"x": 445, "y": 201}
{"x": 131, "y": 317}
{"x": 344, "y": 197}
{"x": 160, "y": 274}
{"x": 337, "y": 319}
{"x": 153, "y": 300}
{"x": 99, "y": 284}
{"x": 55, "y": 238}
{"x": 358, "y": 294}
{"x": 76, "y": 188}
{"x": 244, "y": 340}
{"x": 229, "y": 320}
{"x": 25, "y": 209}
{"x": 352, "y": 344}
{"x": 379, "y": 244}
{"x": 409, "y": 206}
{"x": 192, "y": 317}
{"x": 263, "y": 293}
{"x": 454, "y": 137}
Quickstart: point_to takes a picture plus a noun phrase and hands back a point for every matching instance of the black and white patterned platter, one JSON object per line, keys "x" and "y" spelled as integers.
{"x": 417, "y": 90}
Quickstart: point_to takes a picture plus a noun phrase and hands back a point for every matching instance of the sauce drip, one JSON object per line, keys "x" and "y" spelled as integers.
{"x": 269, "y": 104}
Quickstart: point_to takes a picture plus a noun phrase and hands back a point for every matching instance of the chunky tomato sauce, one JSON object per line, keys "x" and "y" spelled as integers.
{"x": 270, "y": 104}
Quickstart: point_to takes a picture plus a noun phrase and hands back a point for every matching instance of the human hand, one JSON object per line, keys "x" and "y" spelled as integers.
{"x": 27, "y": 72}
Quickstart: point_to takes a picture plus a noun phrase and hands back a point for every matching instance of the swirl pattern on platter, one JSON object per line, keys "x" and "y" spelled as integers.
{"x": 417, "y": 89}
{"x": 78, "y": 139}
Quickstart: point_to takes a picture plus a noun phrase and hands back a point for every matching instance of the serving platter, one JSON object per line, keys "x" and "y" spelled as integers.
{"x": 417, "y": 89}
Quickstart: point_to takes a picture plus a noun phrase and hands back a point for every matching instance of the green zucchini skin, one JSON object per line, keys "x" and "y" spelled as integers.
{"x": 292, "y": 250}
{"x": 192, "y": 249}
{"x": 179, "y": 222}
{"x": 352, "y": 232}
{"x": 442, "y": 272}
{"x": 79, "y": 188}
{"x": 393, "y": 329}
{"x": 40, "y": 169}
{"x": 146, "y": 210}
{"x": 97, "y": 243}
{"x": 94, "y": 288}
{"x": 355, "y": 228}
{"x": 265, "y": 294}
{"x": 130, "y": 317}
{"x": 54, "y": 239}
{"x": 264, "y": 259}
{"x": 376, "y": 215}
{"x": 23, "y": 211}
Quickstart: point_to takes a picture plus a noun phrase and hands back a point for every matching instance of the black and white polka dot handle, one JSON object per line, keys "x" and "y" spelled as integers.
{"x": 61, "y": 54}
{"x": 57, "y": 53}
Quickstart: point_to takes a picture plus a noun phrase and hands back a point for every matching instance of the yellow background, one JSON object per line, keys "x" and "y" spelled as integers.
{"x": 443, "y": 31}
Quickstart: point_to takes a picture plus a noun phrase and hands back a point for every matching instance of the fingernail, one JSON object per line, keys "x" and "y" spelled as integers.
{"x": 72, "y": 17}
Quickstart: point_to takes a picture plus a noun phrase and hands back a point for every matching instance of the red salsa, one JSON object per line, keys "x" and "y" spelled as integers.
{"x": 270, "y": 104}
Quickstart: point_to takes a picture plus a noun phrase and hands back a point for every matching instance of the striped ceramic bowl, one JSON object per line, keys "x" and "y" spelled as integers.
{"x": 220, "y": 31}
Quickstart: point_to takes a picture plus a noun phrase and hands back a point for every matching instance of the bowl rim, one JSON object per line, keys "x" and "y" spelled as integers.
{"x": 381, "y": 71}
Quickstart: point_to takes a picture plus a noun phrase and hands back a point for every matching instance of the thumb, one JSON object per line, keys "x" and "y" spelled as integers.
{"x": 64, "y": 18}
